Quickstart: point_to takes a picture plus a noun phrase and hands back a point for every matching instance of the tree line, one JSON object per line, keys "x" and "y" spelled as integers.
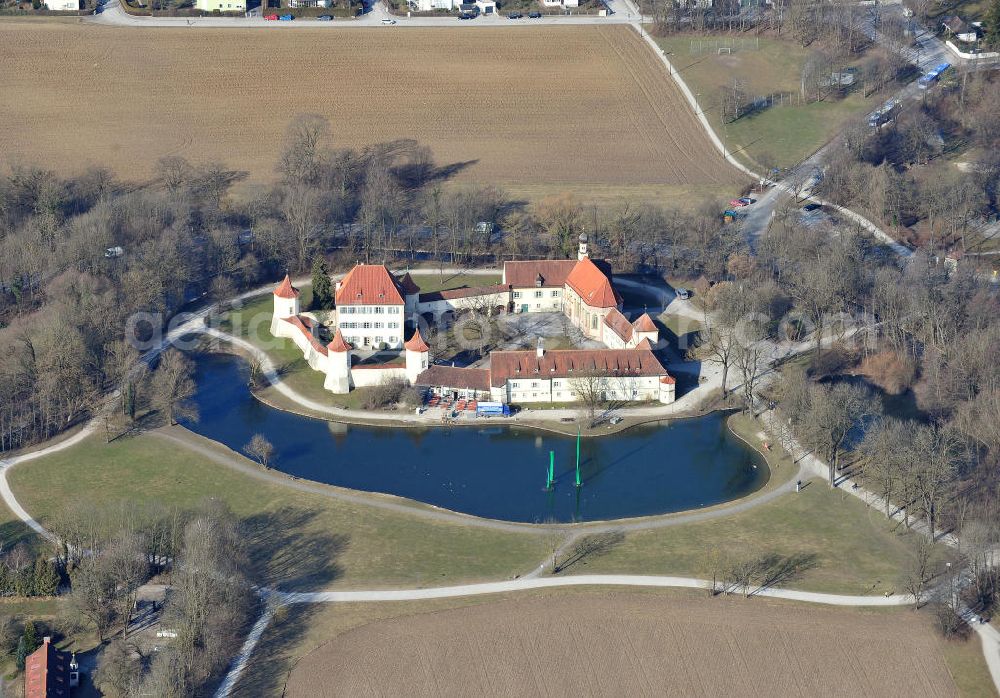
{"x": 81, "y": 257}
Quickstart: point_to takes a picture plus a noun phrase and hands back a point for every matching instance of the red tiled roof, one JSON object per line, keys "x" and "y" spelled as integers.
{"x": 525, "y": 274}
{"x": 338, "y": 344}
{"x": 668, "y": 380}
{"x": 592, "y": 284}
{"x": 563, "y": 363}
{"x": 286, "y": 290}
{"x": 369, "y": 284}
{"x": 416, "y": 342}
{"x": 46, "y": 673}
{"x": 304, "y": 324}
{"x": 454, "y": 377}
{"x": 619, "y": 324}
{"x": 645, "y": 324}
{"x": 408, "y": 285}
{"x": 465, "y": 292}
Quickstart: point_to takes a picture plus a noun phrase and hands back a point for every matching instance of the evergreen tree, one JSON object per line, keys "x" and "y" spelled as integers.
{"x": 992, "y": 26}
{"x": 24, "y": 581}
{"x": 26, "y": 645}
{"x": 46, "y": 578}
{"x": 21, "y": 655}
{"x": 322, "y": 298}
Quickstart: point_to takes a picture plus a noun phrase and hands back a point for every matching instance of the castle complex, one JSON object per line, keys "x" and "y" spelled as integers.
{"x": 373, "y": 308}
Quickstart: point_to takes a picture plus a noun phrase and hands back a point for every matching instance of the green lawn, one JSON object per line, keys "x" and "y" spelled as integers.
{"x": 779, "y": 136}
{"x": 968, "y": 668}
{"x": 299, "y": 540}
{"x": 14, "y": 531}
{"x": 854, "y": 548}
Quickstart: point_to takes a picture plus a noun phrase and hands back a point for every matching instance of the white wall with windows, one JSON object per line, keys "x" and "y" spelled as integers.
{"x": 371, "y": 326}
{"x": 542, "y": 389}
{"x": 533, "y": 300}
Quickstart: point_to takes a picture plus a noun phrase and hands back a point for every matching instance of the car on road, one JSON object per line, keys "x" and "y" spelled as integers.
{"x": 534, "y": 15}
{"x": 325, "y": 18}
{"x": 388, "y": 21}
{"x": 515, "y": 15}
{"x": 271, "y": 18}
{"x": 286, "y": 18}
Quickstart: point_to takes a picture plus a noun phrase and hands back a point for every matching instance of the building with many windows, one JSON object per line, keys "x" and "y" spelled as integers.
{"x": 373, "y": 307}
{"x": 370, "y": 306}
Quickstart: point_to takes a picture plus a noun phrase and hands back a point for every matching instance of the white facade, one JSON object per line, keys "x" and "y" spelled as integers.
{"x": 443, "y": 305}
{"x": 537, "y": 300}
{"x": 370, "y": 326}
{"x": 221, "y": 5}
{"x": 431, "y": 5}
{"x": 631, "y": 389}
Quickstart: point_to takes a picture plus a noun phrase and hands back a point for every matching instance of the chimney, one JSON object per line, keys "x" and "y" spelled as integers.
{"x": 46, "y": 640}
{"x": 540, "y": 349}
{"x": 583, "y": 247}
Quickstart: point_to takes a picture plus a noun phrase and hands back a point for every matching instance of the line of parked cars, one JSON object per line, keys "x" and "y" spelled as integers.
{"x": 279, "y": 18}
{"x": 518, "y": 15}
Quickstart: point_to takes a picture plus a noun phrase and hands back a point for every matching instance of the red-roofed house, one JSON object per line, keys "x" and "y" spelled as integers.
{"x": 370, "y": 303}
{"x": 556, "y": 376}
{"x": 47, "y": 672}
{"x": 582, "y": 289}
{"x": 619, "y": 333}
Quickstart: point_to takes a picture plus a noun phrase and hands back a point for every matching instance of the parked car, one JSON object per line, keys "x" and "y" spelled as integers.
{"x": 388, "y": 21}
{"x": 515, "y": 15}
{"x": 748, "y": 200}
{"x": 325, "y": 18}
{"x": 738, "y": 203}
{"x": 534, "y": 15}
{"x": 466, "y": 15}
{"x": 809, "y": 208}
{"x": 683, "y": 293}
{"x": 271, "y": 18}
{"x": 286, "y": 18}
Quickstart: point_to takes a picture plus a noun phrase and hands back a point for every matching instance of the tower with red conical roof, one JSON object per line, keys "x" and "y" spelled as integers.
{"x": 417, "y": 356}
{"x": 286, "y": 305}
{"x": 338, "y": 365}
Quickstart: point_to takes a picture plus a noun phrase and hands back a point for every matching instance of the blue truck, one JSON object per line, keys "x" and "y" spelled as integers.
{"x": 932, "y": 76}
{"x": 492, "y": 409}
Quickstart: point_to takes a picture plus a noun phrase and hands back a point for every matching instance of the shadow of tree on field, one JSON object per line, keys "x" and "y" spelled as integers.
{"x": 776, "y": 570}
{"x": 591, "y": 546}
{"x": 286, "y": 554}
{"x": 271, "y": 662}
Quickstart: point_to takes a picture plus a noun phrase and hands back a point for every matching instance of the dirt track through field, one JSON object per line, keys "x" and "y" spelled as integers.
{"x": 631, "y": 644}
{"x": 545, "y": 106}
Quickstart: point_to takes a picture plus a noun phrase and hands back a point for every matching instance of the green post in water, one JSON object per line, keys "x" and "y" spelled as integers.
{"x": 578, "y": 482}
{"x": 552, "y": 470}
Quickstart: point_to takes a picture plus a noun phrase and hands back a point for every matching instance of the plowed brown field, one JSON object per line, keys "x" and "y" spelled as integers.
{"x": 531, "y": 108}
{"x": 622, "y": 644}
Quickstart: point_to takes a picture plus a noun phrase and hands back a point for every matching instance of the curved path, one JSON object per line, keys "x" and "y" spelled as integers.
{"x": 629, "y": 580}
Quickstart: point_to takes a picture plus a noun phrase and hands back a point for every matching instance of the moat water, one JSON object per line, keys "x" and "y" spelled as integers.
{"x": 494, "y": 470}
